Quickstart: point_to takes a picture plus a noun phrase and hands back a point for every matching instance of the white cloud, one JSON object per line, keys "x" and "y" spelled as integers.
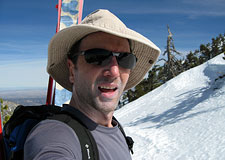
{"x": 26, "y": 74}
{"x": 189, "y": 12}
{"x": 14, "y": 51}
{"x": 192, "y": 8}
{"x": 210, "y": 3}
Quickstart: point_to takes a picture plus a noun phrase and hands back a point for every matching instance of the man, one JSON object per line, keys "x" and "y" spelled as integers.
{"x": 96, "y": 60}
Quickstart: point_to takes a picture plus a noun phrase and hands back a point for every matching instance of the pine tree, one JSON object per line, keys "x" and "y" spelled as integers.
{"x": 215, "y": 47}
{"x": 222, "y": 43}
{"x": 127, "y": 97}
{"x": 154, "y": 80}
{"x": 191, "y": 60}
{"x": 209, "y": 51}
{"x": 172, "y": 64}
{"x": 205, "y": 51}
{"x": 4, "y": 108}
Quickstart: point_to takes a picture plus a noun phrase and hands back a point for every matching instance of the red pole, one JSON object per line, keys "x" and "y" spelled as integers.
{"x": 49, "y": 92}
{"x": 80, "y": 11}
{"x": 50, "y": 98}
{"x": 59, "y": 15}
{"x": 0, "y": 123}
{"x": 1, "y": 140}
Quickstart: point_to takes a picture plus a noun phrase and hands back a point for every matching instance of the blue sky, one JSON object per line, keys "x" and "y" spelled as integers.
{"x": 26, "y": 26}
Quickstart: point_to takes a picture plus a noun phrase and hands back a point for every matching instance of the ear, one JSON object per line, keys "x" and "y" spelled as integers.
{"x": 70, "y": 66}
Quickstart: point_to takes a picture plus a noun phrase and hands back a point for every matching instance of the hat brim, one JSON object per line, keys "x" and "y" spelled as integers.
{"x": 146, "y": 52}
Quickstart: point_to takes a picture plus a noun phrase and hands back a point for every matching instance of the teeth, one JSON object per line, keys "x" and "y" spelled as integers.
{"x": 104, "y": 87}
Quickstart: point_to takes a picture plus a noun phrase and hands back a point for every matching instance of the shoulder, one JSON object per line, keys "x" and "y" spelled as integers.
{"x": 51, "y": 127}
{"x": 52, "y": 137}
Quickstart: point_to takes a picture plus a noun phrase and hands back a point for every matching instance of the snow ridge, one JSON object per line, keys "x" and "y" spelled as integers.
{"x": 182, "y": 119}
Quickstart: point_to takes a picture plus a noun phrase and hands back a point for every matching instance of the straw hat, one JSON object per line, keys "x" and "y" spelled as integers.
{"x": 104, "y": 21}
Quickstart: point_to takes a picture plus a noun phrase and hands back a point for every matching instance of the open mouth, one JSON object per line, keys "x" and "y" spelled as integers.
{"x": 107, "y": 89}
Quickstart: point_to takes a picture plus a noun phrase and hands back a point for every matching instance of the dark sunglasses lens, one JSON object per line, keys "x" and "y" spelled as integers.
{"x": 96, "y": 56}
{"x": 103, "y": 57}
{"x": 127, "y": 60}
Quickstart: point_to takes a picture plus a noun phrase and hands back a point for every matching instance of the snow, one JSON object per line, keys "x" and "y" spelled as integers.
{"x": 182, "y": 119}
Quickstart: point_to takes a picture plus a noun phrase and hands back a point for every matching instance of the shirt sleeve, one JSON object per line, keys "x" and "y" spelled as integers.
{"x": 52, "y": 139}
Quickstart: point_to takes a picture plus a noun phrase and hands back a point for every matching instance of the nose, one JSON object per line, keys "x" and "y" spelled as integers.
{"x": 112, "y": 69}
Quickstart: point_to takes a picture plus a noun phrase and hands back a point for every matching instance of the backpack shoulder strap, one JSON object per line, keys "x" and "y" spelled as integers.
{"x": 87, "y": 142}
{"x": 67, "y": 110}
{"x": 128, "y": 139}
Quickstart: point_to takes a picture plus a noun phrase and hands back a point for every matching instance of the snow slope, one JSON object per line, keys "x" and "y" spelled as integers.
{"x": 183, "y": 119}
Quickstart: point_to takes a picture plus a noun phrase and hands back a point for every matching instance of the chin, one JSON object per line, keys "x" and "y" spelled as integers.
{"x": 107, "y": 107}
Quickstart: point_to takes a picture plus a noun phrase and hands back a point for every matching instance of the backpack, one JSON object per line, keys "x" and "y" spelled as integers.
{"x": 24, "y": 118}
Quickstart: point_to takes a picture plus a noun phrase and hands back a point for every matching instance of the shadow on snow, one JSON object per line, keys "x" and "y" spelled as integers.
{"x": 182, "y": 110}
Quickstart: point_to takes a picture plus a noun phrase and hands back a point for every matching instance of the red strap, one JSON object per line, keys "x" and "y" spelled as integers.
{"x": 1, "y": 140}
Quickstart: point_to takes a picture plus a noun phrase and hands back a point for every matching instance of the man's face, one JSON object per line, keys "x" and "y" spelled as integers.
{"x": 98, "y": 86}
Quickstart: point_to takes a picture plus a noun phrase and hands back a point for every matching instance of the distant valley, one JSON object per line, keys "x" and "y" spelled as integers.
{"x": 35, "y": 96}
{"x": 27, "y": 97}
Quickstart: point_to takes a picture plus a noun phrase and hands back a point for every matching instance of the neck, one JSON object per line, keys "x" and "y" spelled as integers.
{"x": 99, "y": 117}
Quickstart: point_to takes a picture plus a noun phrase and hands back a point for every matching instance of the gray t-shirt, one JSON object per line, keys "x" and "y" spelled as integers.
{"x": 55, "y": 140}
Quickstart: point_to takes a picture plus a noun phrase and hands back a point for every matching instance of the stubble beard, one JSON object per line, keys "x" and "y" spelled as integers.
{"x": 91, "y": 100}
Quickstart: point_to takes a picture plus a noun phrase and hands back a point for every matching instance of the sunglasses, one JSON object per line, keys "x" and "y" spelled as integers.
{"x": 103, "y": 57}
